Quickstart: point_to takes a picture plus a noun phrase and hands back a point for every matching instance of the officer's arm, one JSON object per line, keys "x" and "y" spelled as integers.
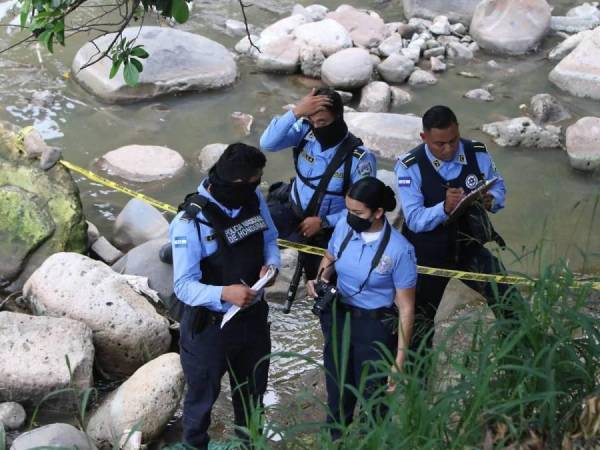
{"x": 187, "y": 253}
{"x": 498, "y": 189}
{"x": 365, "y": 166}
{"x": 418, "y": 218}
{"x": 271, "y": 249}
{"x": 405, "y": 281}
{"x": 283, "y": 132}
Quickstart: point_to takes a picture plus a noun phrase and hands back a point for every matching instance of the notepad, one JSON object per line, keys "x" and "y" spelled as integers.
{"x": 471, "y": 198}
{"x": 258, "y": 287}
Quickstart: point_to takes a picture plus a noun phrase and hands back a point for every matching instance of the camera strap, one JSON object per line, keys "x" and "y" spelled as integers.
{"x": 387, "y": 232}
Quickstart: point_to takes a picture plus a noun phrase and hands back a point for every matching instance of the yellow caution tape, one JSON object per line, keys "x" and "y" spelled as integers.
{"x": 304, "y": 248}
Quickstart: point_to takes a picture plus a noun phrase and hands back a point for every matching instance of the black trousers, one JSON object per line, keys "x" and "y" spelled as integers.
{"x": 286, "y": 222}
{"x": 430, "y": 289}
{"x": 363, "y": 350}
{"x": 208, "y": 354}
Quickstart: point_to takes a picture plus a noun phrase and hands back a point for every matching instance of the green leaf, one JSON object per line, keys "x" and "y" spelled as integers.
{"x": 180, "y": 11}
{"x": 115, "y": 67}
{"x": 25, "y": 10}
{"x": 139, "y": 52}
{"x": 46, "y": 39}
{"x": 131, "y": 74}
{"x": 138, "y": 65}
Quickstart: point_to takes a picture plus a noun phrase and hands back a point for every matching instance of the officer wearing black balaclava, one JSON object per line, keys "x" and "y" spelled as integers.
{"x": 223, "y": 240}
{"x": 327, "y": 159}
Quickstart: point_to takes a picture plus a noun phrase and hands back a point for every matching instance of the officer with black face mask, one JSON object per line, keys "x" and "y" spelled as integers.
{"x": 223, "y": 240}
{"x": 327, "y": 158}
{"x": 376, "y": 269}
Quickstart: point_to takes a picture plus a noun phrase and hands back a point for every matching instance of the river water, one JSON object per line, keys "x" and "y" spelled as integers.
{"x": 549, "y": 203}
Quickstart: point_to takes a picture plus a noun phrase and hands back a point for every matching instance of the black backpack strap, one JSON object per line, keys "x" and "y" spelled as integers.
{"x": 342, "y": 154}
{"x": 344, "y": 243}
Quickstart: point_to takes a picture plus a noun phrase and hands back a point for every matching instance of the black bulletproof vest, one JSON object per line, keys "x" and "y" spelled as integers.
{"x": 240, "y": 245}
{"x": 441, "y": 245}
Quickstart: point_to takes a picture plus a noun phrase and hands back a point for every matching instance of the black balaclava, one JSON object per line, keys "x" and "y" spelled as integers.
{"x": 238, "y": 162}
{"x": 332, "y": 134}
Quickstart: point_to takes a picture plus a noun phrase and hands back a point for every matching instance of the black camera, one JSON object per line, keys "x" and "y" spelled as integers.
{"x": 326, "y": 294}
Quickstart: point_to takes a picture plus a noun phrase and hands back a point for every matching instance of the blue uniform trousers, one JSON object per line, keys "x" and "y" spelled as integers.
{"x": 365, "y": 334}
{"x": 206, "y": 356}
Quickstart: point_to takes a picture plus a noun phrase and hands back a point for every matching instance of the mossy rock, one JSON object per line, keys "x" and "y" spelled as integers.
{"x": 53, "y": 191}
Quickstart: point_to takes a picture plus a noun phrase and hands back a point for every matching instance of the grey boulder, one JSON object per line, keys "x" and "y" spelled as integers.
{"x": 138, "y": 222}
{"x": 59, "y": 435}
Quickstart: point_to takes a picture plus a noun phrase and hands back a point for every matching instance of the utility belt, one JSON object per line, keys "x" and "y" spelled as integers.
{"x": 198, "y": 317}
{"x": 362, "y": 313}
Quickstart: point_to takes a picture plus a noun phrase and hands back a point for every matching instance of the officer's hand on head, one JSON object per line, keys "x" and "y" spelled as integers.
{"x": 310, "y": 226}
{"x": 488, "y": 201}
{"x": 311, "y": 104}
{"x": 238, "y": 294}
{"x": 453, "y": 196}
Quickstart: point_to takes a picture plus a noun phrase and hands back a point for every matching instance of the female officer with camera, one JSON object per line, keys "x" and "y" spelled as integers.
{"x": 376, "y": 268}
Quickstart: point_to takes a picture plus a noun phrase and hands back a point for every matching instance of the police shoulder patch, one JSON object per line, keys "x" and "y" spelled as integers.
{"x": 365, "y": 168}
{"x": 479, "y": 146}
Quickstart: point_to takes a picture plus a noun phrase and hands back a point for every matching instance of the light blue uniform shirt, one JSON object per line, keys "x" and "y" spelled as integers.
{"x": 287, "y": 131}
{"x": 188, "y": 251}
{"x": 421, "y": 219}
{"x": 397, "y": 268}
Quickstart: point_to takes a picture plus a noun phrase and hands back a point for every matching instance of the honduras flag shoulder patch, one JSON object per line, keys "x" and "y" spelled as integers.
{"x": 180, "y": 242}
{"x": 404, "y": 181}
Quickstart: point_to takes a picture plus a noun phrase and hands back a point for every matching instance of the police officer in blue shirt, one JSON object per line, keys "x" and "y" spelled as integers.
{"x": 223, "y": 240}
{"x": 376, "y": 269}
{"x": 432, "y": 180}
{"x": 327, "y": 158}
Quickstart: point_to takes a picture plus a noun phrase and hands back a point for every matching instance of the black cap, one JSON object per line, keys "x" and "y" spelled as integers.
{"x": 239, "y": 161}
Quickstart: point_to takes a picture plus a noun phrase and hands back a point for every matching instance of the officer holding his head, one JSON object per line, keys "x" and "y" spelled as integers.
{"x": 223, "y": 240}
{"x": 432, "y": 180}
{"x": 327, "y": 158}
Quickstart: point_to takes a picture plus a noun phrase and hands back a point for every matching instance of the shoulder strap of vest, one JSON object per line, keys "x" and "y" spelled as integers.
{"x": 343, "y": 153}
{"x": 357, "y": 152}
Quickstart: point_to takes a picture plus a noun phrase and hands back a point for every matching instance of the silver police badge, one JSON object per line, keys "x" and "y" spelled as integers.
{"x": 471, "y": 181}
{"x": 386, "y": 264}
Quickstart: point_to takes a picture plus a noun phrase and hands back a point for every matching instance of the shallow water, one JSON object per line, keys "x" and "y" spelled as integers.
{"x": 547, "y": 202}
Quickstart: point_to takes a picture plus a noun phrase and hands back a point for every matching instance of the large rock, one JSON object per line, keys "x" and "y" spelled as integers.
{"x": 391, "y": 45}
{"x": 400, "y": 96}
{"x": 347, "y": 69}
{"x": 279, "y": 56}
{"x": 585, "y": 10}
{"x": 389, "y": 135}
{"x": 143, "y": 261}
{"x": 209, "y": 155}
{"x": 396, "y": 68}
{"x": 143, "y": 162}
{"x": 375, "y": 97}
{"x": 366, "y": 28}
{"x": 545, "y": 108}
{"x": 582, "y": 143}
{"x": 311, "y": 60}
{"x": 510, "y": 27}
{"x": 523, "y": 131}
{"x": 327, "y": 35}
{"x": 391, "y": 180}
{"x": 573, "y": 24}
{"x": 60, "y": 435}
{"x": 422, "y": 77}
{"x": 281, "y": 28}
{"x": 179, "y": 61}
{"x": 12, "y": 415}
{"x": 137, "y": 223}
{"x": 127, "y": 329}
{"x": 32, "y": 356}
{"x": 147, "y": 400}
{"x": 456, "y": 11}
{"x": 568, "y": 45}
{"x": 579, "y": 72}
{"x": 482, "y": 95}
{"x": 42, "y": 213}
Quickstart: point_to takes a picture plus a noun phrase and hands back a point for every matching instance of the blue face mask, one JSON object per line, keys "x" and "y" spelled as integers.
{"x": 358, "y": 224}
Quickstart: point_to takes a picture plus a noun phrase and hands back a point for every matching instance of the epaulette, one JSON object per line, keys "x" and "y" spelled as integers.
{"x": 479, "y": 147}
{"x": 408, "y": 160}
{"x": 359, "y": 152}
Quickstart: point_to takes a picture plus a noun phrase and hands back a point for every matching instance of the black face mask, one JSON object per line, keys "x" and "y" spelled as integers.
{"x": 232, "y": 195}
{"x": 358, "y": 224}
{"x": 331, "y": 134}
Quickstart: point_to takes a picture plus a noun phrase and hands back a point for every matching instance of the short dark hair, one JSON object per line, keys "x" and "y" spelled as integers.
{"x": 240, "y": 161}
{"x": 337, "y": 106}
{"x": 440, "y": 117}
{"x": 374, "y": 193}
